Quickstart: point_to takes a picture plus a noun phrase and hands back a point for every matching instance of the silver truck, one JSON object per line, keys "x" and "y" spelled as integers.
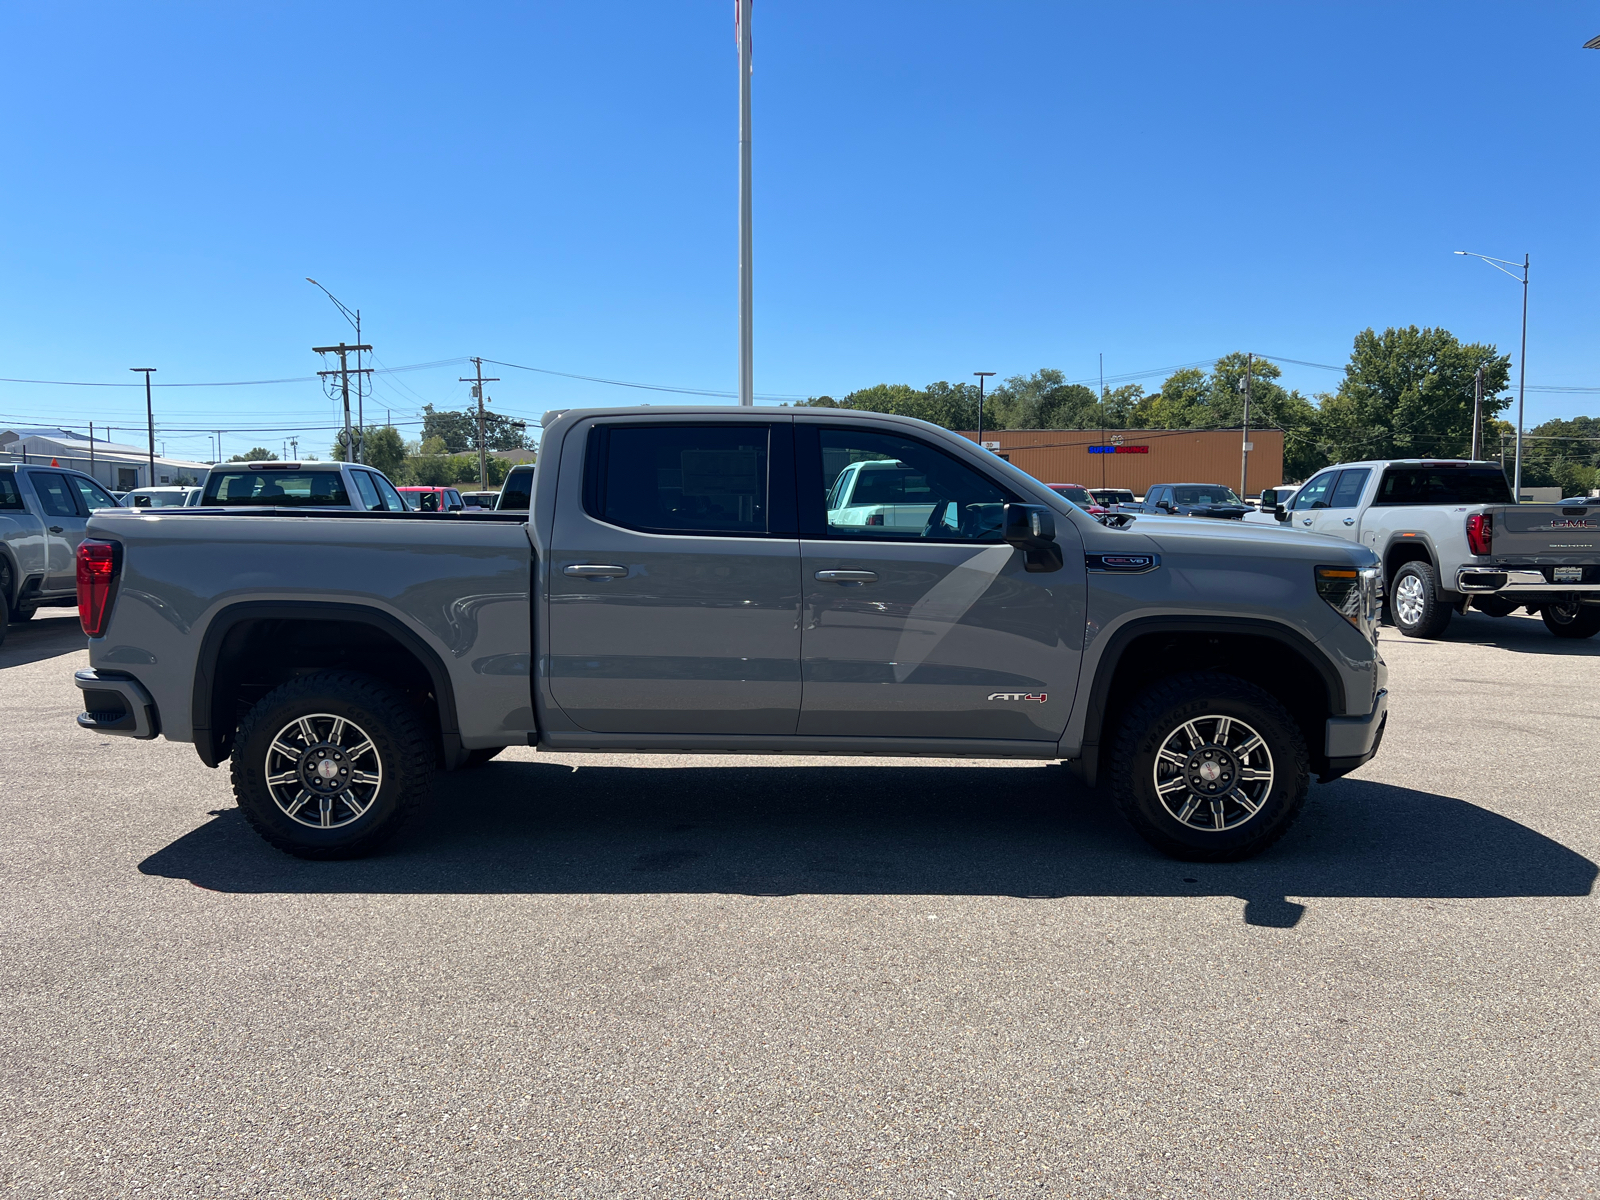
{"x": 1449, "y": 535}
{"x": 43, "y": 512}
{"x": 680, "y": 583}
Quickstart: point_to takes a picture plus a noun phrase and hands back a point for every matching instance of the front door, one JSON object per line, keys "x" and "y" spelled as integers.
{"x": 674, "y": 588}
{"x": 928, "y": 627}
{"x": 63, "y": 525}
{"x": 1342, "y": 515}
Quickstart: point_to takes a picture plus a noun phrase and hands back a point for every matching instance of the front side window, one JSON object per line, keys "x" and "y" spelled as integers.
{"x": 278, "y": 489}
{"x": 679, "y": 478}
{"x": 1347, "y": 492}
{"x": 391, "y": 498}
{"x": 54, "y": 495}
{"x": 1414, "y": 484}
{"x": 879, "y": 485}
{"x": 1315, "y": 493}
{"x": 92, "y": 494}
{"x": 368, "y": 491}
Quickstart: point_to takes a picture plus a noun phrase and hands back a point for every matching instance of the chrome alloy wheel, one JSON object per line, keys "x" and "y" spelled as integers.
{"x": 1213, "y": 773}
{"x": 1408, "y": 599}
{"x": 323, "y": 771}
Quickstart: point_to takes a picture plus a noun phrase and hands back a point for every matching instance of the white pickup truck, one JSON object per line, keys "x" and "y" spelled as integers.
{"x": 1449, "y": 535}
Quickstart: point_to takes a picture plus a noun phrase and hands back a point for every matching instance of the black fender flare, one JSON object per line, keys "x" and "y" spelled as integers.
{"x": 1086, "y": 765}
{"x": 205, "y": 672}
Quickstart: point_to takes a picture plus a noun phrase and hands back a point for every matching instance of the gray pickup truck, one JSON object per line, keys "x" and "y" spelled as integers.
{"x": 43, "y": 512}
{"x": 680, "y": 583}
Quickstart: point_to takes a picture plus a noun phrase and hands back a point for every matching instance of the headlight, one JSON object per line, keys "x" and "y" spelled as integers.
{"x": 1356, "y": 593}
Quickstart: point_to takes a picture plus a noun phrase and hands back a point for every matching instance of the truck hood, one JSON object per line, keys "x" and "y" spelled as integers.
{"x": 1184, "y": 535}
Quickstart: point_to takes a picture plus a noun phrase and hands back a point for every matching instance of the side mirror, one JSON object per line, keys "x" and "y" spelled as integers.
{"x": 456, "y": 507}
{"x": 1280, "y": 512}
{"x": 430, "y": 502}
{"x": 1031, "y": 528}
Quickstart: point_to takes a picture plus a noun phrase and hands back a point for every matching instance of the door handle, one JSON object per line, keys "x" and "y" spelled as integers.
{"x": 1349, "y": 520}
{"x": 57, "y": 529}
{"x": 848, "y": 577}
{"x": 594, "y": 571}
{"x": 1305, "y": 521}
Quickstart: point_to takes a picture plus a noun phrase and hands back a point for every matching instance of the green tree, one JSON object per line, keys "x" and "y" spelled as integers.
{"x": 385, "y": 449}
{"x": 459, "y": 430}
{"x": 1408, "y": 393}
{"x": 259, "y": 454}
{"x": 1559, "y": 453}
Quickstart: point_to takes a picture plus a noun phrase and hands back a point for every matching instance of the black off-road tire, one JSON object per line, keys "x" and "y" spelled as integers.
{"x": 401, "y": 740}
{"x": 1415, "y": 607}
{"x": 476, "y": 758}
{"x": 1158, "y": 715}
{"x": 1571, "y": 621}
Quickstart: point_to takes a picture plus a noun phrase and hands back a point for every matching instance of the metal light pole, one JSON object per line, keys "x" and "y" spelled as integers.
{"x": 982, "y": 375}
{"x": 150, "y": 418}
{"x": 747, "y": 394}
{"x": 357, "y": 453}
{"x": 1500, "y": 264}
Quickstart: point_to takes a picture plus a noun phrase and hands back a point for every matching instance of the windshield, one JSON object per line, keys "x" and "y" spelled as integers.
{"x": 279, "y": 489}
{"x": 1079, "y": 496}
{"x": 1205, "y": 495}
{"x": 890, "y": 483}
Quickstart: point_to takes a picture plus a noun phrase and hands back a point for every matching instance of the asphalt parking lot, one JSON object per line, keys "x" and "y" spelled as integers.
{"x": 665, "y": 976}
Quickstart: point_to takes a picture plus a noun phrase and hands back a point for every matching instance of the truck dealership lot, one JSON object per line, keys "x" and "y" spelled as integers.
{"x": 682, "y": 976}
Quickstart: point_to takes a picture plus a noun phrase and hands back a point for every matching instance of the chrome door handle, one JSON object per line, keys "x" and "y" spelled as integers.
{"x": 57, "y": 529}
{"x": 848, "y": 577}
{"x": 1349, "y": 520}
{"x": 1305, "y": 521}
{"x": 594, "y": 571}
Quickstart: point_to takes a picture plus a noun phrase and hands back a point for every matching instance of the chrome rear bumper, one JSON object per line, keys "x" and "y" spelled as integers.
{"x": 1478, "y": 581}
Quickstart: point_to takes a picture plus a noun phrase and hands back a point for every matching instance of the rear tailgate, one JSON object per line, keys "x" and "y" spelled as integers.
{"x": 1549, "y": 536}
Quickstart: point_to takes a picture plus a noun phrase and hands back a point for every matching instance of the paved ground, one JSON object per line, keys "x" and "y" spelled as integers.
{"x": 682, "y": 978}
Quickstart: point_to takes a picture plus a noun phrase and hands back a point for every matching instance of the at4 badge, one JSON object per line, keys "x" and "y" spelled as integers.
{"x": 1041, "y": 697}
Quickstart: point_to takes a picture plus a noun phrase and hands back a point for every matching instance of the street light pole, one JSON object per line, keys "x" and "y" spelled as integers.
{"x": 150, "y": 419}
{"x": 1500, "y": 264}
{"x": 982, "y": 375}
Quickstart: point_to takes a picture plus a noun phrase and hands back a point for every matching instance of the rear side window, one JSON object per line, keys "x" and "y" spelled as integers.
{"x": 10, "y": 497}
{"x": 280, "y": 489}
{"x": 517, "y": 494}
{"x": 53, "y": 494}
{"x": 679, "y": 478}
{"x": 1422, "y": 484}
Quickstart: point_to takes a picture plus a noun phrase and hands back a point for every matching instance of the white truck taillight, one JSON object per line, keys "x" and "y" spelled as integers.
{"x": 98, "y": 566}
{"x": 1480, "y": 533}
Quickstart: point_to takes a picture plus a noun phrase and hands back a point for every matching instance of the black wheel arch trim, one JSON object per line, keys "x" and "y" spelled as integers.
{"x": 205, "y": 739}
{"x": 1086, "y": 765}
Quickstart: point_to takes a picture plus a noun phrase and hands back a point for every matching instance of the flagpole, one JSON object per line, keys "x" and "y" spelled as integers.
{"x": 746, "y": 293}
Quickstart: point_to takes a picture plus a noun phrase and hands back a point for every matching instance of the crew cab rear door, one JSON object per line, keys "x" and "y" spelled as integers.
{"x": 64, "y": 525}
{"x": 934, "y": 632}
{"x": 674, "y": 578}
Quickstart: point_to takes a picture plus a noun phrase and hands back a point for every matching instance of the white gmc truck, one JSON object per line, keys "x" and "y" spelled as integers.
{"x": 1450, "y": 536}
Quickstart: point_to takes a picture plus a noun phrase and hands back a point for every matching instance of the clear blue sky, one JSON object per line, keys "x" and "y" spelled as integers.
{"x": 939, "y": 188}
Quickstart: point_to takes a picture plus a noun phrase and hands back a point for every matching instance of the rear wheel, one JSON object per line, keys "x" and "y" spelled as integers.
{"x": 331, "y": 765}
{"x": 1570, "y": 619}
{"x": 1414, "y": 602}
{"x": 1209, "y": 768}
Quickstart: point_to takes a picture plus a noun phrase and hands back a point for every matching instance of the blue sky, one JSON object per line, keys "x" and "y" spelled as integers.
{"x": 939, "y": 188}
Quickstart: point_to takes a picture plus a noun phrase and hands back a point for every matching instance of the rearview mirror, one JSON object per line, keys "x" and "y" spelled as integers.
{"x": 1031, "y": 528}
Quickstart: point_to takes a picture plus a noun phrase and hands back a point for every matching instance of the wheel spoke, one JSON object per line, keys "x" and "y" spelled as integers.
{"x": 307, "y": 730}
{"x": 327, "y": 811}
{"x": 360, "y": 748}
{"x": 280, "y": 780}
{"x": 1172, "y": 756}
{"x": 298, "y": 802}
{"x": 337, "y": 731}
{"x": 1255, "y": 740}
{"x": 285, "y": 749}
{"x": 355, "y": 806}
{"x": 1224, "y": 724}
{"x": 1254, "y": 775}
{"x": 1217, "y": 819}
{"x": 1195, "y": 740}
{"x": 365, "y": 777}
{"x": 1188, "y": 809}
{"x": 1250, "y": 806}
{"x": 1172, "y": 785}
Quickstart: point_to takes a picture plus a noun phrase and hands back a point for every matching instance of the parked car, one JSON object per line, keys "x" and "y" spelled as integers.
{"x": 275, "y": 484}
{"x": 1111, "y": 497}
{"x": 434, "y": 499}
{"x": 173, "y": 496}
{"x": 1449, "y": 535}
{"x": 1191, "y": 500}
{"x": 687, "y": 584}
{"x": 517, "y": 491}
{"x": 1272, "y": 500}
{"x": 1080, "y": 496}
{"x": 43, "y": 511}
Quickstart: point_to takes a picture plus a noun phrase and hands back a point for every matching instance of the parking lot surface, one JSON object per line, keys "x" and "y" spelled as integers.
{"x": 673, "y": 976}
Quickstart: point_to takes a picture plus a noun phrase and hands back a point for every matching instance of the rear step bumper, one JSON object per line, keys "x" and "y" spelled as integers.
{"x": 1478, "y": 581}
{"x": 116, "y": 702}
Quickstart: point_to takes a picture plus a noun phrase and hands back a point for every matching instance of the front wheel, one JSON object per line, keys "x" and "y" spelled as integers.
{"x": 1209, "y": 768}
{"x": 1571, "y": 619}
{"x": 330, "y": 765}
{"x": 1414, "y": 602}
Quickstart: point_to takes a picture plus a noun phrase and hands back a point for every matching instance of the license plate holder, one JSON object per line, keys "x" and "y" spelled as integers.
{"x": 1569, "y": 575}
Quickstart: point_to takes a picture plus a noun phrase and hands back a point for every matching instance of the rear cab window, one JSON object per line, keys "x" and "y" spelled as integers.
{"x": 279, "y": 489}
{"x": 1413, "y": 484}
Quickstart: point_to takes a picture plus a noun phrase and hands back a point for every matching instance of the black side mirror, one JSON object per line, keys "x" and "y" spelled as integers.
{"x": 430, "y": 502}
{"x": 1031, "y": 528}
{"x": 1280, "y": 512}
{"x": 456, "y": 507}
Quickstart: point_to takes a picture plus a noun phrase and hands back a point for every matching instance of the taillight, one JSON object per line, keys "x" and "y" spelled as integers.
{"x": 97, "y": 583}
{"x": 1480, "y": 533}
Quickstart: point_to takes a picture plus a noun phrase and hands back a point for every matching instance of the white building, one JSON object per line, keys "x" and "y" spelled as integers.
{"x": 121, "y": 468}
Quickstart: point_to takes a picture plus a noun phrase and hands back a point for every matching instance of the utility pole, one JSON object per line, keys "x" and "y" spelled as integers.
{"x": 150, "y": 419}
{"x": 1244, "y": 442}
{"x": 294, "y": 446}
{"x": 477, "y": 382}
{"x": 982, "y": 375}
{"x": 1103, "y": 418}
{"x": 1477, "y": 414}
{"x": 344, "y": 372}
{"x": 746, "y": 288}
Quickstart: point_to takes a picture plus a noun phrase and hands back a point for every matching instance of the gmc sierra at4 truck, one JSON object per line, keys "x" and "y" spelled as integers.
{"x": 1449, "y": 535}
{"x": 681, "y": 583}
